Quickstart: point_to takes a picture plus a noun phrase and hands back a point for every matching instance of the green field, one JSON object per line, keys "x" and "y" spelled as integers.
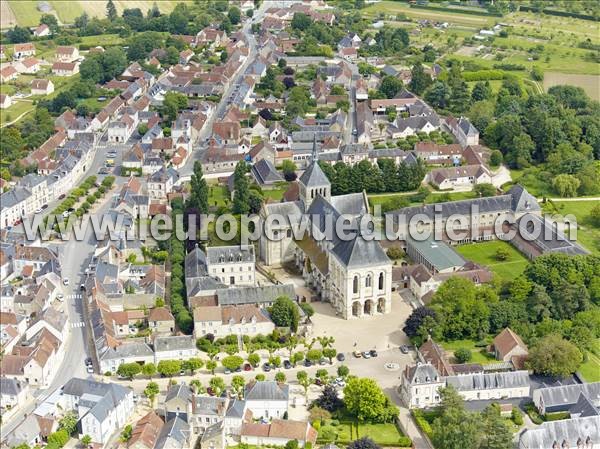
{"x": 17, "y": 108}
{"x": 590, "y": 369}
{"x": 484, "y": 253}
{"x": 588, "y": 234}
{"x": 479, "y": 355}
{"x": 218, "y": 195}
{"x": 349, "y": 430}
{"x": 26, "y": 12}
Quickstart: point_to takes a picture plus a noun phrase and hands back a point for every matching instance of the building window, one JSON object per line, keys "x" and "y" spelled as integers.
{"x": 380, "y": 281}
{"x": 355, "y": 285}
{"x": 368, "y": 281}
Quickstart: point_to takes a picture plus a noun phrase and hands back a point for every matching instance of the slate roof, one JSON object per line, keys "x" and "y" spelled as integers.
{"x": 360, "y": 253}
{"x": 209, "y": 405}
{"x": 552, "y": 434}
{"x": 174, "y": 434}
{"x": 235, "y": 253}
{"x": 254, "y": 295}
{"x": 584, "y": 407}
{"x": 422, "y": 373}
{"x": 11, "y": 387}
{"x": 313, "y": 176}
{"x": 179, "y": 391}
{"x": 488, "y": 381}
{"x": 266, "y": 391}
{"x": 99, "y": 397}
{"x": 174, "y": 343}
{"x": 565, "y": 395}
{"x": 133, "y": 349}
{"x": 236, "y": 409}
{"x": 265, "y": 172}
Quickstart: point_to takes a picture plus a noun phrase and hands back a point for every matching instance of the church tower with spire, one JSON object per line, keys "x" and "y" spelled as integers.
{"x": 313, "y": 181}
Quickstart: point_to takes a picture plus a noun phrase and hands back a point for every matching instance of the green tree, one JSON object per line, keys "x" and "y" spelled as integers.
{"x": 126, "y": 433}
{"x": 199, "y": 189}
{"x": 111, "y": 11}
{"x": 485, "y": 189}
{"x": 284, "y": 313}
{"x": 463, "y": 355}
{"x": 365, "y": 400}
{"x": 566, "y": 185}
{"x": 554, "y": 356}
{"x": 86, "y": 440}
{"x": 58, "y": 438}
{"x": 280, "y": 377}
{"x": 68, "y": 422}
{"x": 314, "y": 355}
{"x": 438, "y": 95}
{"x": 232, "y": 362}
{"x": 151, "y": 391}
{"x": 254, "y": 359}
{"x": 502, "y": 253}
{"x": 343, "y": 371}
{"x": 241, "y": 189}
{"x": 129, "y": 370}
{"x": 234, "y": 15}
{"x": 419, "y": 79}
{"x": 172, "y": 104}
{"x": 237, "y": 384}
{"x": 454, "y": 428}
{"x": 303, "y": 380}
{"x": 149, "y": 369}
{"x": 217, "y": 384}
{"x": 51, "y": 21}
{"x": 211, "y": 365}
{"x": 390, "y": 86}
{"x": 481, "y": 91}
{"x": 193, "y": 364}
{"x": 495, "y": 432}
{"x": 330, "y": 353}
{"x": 169, "y": 368}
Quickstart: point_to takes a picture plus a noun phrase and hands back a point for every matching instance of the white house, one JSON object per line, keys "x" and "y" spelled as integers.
{"x": 233, "y": 265}
{"x": 42, "y": 87}
{"x": 161, "y": 182}
{"x": 27, "y": 65}
{"x": 267, "y": 399}
{"x": 42, "y": 31}
{"x": 463, "y": 130}
{"x": 102, "y": 408}
{"x": 12, "y": 393}
{"x": 420, "y": 385}
{"x": 5, "y": 101}
{"x": 119, "y": 131}
{"x": 463, "y": 177}
{"x": 244, "y": 319}
{"x": 278, "y": 433}
{"x": 175, "y": 348}
{"x": 66, "y": 53}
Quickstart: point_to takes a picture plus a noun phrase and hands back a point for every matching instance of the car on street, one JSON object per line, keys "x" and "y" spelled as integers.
{"x": 373, "y": 353}
{"x": 210, "y": 391}
{"x": 266, "y": 367}
{"x": 39, "y": 210}
{"x": 307, "y": 363}
{"x": 60, "y": 296}
{"x": 238, "y": 369}
{"x": 66, "y": 281}
{"x": 404, "y": 349}
{"x": 89, "y": 369}
{"x": 247, "y": 367}
{"x": 103, "y": 171}
{"x": 340, "y": 357}
{"x": 45, "y": 206}
{"x": 88, "y": 361}
{"x": 287, "y": 364}
{"x": 323, "y": 361}
{"x": 182, "y": 372}
{"x": 227, "y": 371}
{"x": 357, "y": 354}
{"x": 366, "y": 355}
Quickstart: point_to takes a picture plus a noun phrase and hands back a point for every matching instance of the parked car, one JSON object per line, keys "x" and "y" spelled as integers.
{"x": 66, "y": 281}
{"x": 227, "y": 371}
{"x": 88, "y": 361}
{"x": 210, "y": 391}
{"x": 89, "y": 369}
{"x": 45, "y": 206}
{"x": 307, "y": 363}
{"x": 341, "y": 357}
{"x": 373, "y": 353}
{"x": 318, "y": 382}
{"x": 366, "y": 355}
{"x": 266, "y": 367}
{"x": 60, "y": 297}
{"x": 357, "y": 354}
{"x": 323, "y": 361}
{"x": 38, "y": 210}
{"x": 404, "y": 349}
{"x": 247, "y": 367}
{"x": 287, "y": 364}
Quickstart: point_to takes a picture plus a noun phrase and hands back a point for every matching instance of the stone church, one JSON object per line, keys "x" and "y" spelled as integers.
{"x": 354, "y": 275}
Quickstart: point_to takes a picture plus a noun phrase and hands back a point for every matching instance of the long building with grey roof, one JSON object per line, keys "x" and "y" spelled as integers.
{"x": 577, "y": 433}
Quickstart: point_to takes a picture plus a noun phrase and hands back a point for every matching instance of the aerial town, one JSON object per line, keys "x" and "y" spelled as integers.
{"x": 337, "y": 224}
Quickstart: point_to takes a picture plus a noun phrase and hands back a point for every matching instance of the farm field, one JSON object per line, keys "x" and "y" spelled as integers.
{"x": 589, "y": 83}
{"x": 484, "y": 253}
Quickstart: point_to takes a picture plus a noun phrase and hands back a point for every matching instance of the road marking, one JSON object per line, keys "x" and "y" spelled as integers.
{"x": 74, "y": 296}
{"x": 80, "y": 324}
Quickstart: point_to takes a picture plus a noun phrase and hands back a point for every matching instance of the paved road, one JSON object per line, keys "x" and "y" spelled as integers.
{"x": 221, "y": 108}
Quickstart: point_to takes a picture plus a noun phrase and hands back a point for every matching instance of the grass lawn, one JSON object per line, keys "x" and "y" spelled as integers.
{"x": 104, "y": 40}
{"x": 67, "y": 11}
{"x": 275, "y": 194}
{"x": 590, "y": 370}
{"x": 588, "y": 234}
{"x": 26, "y": 13}
{"x": 17, "y": 108}
{"x": 484, "y": 253}
{"x": 479, "y": 355}
{"x": 349, "y": 430}
{"x": 217, "y": 195}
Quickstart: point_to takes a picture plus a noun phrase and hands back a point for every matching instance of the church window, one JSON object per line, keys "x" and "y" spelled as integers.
{"x": 355, "y": 285}
{"x": 368, "y": 281}
{"x": 380, "y": 281}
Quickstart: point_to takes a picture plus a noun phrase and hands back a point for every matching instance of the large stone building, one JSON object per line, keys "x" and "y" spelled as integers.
{"x": 354, "y": 275}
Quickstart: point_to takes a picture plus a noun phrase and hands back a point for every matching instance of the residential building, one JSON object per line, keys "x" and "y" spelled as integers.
{"x": 13, "y": 393}
{"x": 161, "y": 183}
{"x": 233, "y": 265}
{"x": 102, "y": 408}
{"x": 460, "y": 178}
{"x": 27, "y": 65}
{"x": 145, "y": 432}
{"x": 42, "y": 87}
{"x": 23, "y": 50}
{"x": 463, "y": 131}
{"x": 278, "y": 432}
{"x": 66, "y": 53}
{"x": 267, "y": 399}
{"x": 246, "y": 319}
{"x": 42, "y": 30}
{"x": 161, "y": 321}
{"x": 508, "y": 346}
{"x": 181, "y": 347}
{"x": 577, "y": 433}
{"x": 420, "y": 386}
{"x": 65, "y": 68}
{"x": 8, "y": 73}
{"x": 5, "y": 101}
{"x": 562, "y": 398}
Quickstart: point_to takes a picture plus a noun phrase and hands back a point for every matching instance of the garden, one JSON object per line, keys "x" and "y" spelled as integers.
{"x": 502, "y": 258}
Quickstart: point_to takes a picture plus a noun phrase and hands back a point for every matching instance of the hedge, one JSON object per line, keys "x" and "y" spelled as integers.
{"x": 458, "y": 10}
{"x": 484, "y": 75}
{"x": 554, "y": 12}
{"x": 557, "y": 416}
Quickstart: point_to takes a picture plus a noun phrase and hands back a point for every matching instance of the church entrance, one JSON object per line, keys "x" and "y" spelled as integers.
{"x": 355, "y": 308}
{"x": 368, "y": 309}
{"x": 381, "y": 305}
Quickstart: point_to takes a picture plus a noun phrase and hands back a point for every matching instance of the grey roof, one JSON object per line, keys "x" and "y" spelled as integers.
{"x": 13, "y": 197}
{"x": 99, "y": 397}
{"x": 552, "y": 434}
{"x": 129, "y": 350}
{"x": 195, "y": 286}
{"x": 195, "y": 263}
{"x": 267, "y": 391}
{"x": 236, "y": 409}
{"x": 211, "y": 432}
{"x": 174, "y": 434}
{"x": 11, "y": 386}
{"x": 467, "y": 127}
{"x": 422, "y": 373}
{"x": 565, "y": 395}
{"x": 209, "y": 405}
{"x": 174, "y": 343}
{"x": 350, "y": 204}
{"x": 26, "y": 432}
{"x": 549, "y": 239}
{"x": 179, "y": 391}
{"x": 164, "y": 174}
{"x": 254, "y": 295}
{"x": 516, "y": 200}
{"x": 359, "y": 252}
{"x": 290, "y": 209}
{"x": 584, "y": 407}
{"x": 437, "y": 253}
{"x": 236, "y": 253}
{"x": 265, "y": 172}
{"x": 313, "y": 176}
{"x": 487, "y": 381}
